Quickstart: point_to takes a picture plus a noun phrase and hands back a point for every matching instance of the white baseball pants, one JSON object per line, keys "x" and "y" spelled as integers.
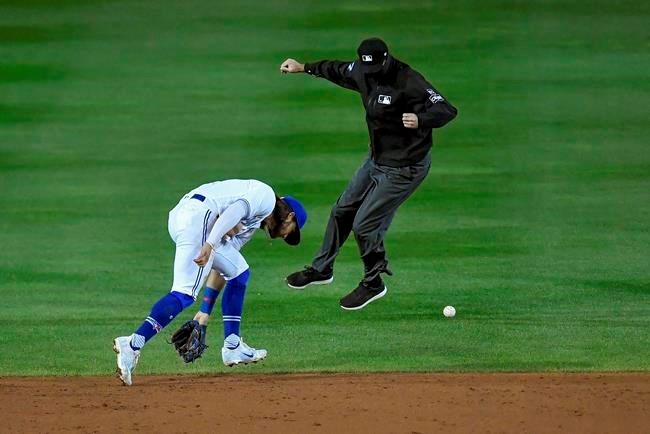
{"x": 189, "y": 224}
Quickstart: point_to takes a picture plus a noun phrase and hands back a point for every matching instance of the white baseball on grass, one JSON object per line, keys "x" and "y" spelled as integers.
{"x": 449, "y": 311}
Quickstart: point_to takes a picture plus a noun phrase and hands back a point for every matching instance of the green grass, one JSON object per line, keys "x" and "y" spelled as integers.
{"x": 533, "y": 221}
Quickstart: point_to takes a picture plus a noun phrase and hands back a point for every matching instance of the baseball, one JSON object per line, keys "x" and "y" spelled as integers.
{"x": 449, "y": 311}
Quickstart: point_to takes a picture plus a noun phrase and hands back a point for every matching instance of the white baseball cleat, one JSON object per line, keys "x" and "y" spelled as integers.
{"x": 127, "y": 358}
{"x": 243, "y": 355}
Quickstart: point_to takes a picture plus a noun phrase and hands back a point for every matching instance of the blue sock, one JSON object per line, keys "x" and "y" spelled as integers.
{"x": 232, "y": 304}
{"x": 209, "y": 297}
{"x": 162, "y": 313}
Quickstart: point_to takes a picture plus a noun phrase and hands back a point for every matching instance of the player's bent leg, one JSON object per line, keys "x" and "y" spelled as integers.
{"x": 161, "y": 314}
{"x": 232, "y": 306}
{"x": 188, "y": 225}
{"x": 228, "y": 262}
{"x": 187, "y": 275}
{"x": 235, "y": 351}
{"x": 235, "y": 271}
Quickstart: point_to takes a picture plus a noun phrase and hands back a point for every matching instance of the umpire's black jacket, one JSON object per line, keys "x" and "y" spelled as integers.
{"x": 386, "y": 96}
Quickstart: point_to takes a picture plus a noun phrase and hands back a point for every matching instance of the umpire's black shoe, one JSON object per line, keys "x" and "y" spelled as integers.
{"x": 363, "y": 295}
{"x": 308, "y": 276}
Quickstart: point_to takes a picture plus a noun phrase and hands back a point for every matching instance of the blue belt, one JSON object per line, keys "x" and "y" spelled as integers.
{"x": 198, "y": 197}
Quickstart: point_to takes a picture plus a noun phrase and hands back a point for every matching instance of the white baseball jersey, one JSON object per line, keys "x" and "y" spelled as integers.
{"x": 258, "y": 197}
{"x": 206, "y": 214}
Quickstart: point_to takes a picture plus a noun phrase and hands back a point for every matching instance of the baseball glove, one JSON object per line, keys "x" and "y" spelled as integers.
{"x": 189, "y": 340}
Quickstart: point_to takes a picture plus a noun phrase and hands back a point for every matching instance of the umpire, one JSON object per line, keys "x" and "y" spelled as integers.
{"x": 401, "y": 109}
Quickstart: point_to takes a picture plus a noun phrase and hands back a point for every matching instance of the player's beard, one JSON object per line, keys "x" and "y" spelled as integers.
{"x": 279, "y": 214}
{"x": 271, "y": 229}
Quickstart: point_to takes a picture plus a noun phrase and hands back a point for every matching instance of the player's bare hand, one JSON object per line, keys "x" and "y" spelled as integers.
{"x": 410, "y": 120}
{"x": 291, "y": 66}
{"x": 204, "y": 255}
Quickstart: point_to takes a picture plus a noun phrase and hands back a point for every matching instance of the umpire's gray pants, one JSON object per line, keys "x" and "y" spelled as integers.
{"x": 367, "y": 207}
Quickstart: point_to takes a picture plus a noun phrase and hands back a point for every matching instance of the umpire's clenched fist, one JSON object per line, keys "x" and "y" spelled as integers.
{"x": 291, "y": 66}
{"x": 410, "y": 120}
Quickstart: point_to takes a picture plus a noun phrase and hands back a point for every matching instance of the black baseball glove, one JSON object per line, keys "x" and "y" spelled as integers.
{"x": 189, "y": 340}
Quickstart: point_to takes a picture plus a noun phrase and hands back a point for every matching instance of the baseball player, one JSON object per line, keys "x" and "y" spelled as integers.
{"x": 209, "y": 226}
{"x": 401, "y": 107}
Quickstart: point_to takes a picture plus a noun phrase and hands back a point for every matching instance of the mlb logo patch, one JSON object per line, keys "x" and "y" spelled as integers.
{"x": 384, "y": 99}
{"x": 366, "y": 58}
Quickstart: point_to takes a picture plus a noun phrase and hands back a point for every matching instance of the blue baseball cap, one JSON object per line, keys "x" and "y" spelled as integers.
{"x": 293, "y": 239}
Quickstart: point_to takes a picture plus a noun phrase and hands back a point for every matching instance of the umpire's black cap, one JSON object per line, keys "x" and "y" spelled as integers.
{"x": 372, "y": 54}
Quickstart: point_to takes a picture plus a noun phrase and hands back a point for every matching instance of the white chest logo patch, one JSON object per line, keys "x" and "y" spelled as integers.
{"x": 366, "y": 57}
{"x": 384, "y": 99}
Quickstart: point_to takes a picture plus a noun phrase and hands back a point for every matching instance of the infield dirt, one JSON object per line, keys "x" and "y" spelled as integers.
{"x": 338, "y": 403}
